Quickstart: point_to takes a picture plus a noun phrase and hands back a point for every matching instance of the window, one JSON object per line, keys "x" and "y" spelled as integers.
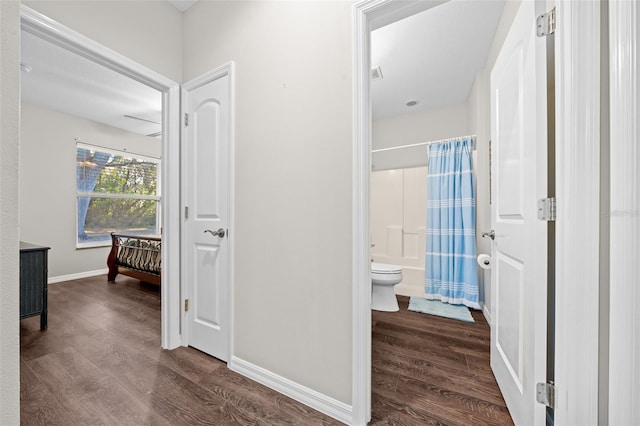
{"x": 116, "y": 192}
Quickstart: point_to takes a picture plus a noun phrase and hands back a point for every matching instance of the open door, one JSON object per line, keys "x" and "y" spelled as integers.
{"x": 206, "y": 105}
{"x": 518, "y": 279}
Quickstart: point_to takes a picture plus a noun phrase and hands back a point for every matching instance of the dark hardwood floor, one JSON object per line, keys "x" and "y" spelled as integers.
{"x": 100, "y": 363}
{"x": 429, "y": 370}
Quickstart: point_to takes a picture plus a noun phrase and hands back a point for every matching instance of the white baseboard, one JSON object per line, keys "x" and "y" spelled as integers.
{"x": 77, "y": 276}
{"x": 323, "y": 403}
{"x": 487, "y": 314}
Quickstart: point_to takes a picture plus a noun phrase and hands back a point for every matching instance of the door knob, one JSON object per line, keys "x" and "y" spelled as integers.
{"x": 491, "y": 234}
{"x": 219, "y": 233}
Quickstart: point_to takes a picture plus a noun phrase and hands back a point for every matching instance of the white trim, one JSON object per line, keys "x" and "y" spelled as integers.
{"x": 210, "y": 76}
{"x": 77, "y": 276}
{"x": 577, "y": 224}
{"x": 624, "y": 326}
{"x": 48, "y": 29}
{"x": 487, "y": 313}
{"x": 361, "y": 294}
{"x": 327, "y": 405}
{"x": 171, "y": 231}
{"x": 230, "y": 231}
{"x": 367, "y": 16}
{"x": 227, "y": 69}
{"x": 364, "y": 14}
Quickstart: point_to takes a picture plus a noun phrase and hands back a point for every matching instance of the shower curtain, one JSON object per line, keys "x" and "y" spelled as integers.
{"x": 451, "y": 273}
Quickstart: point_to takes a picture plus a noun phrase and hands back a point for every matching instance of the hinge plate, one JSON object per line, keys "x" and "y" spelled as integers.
{"x": 546, "y": 23}
{"x": 186, "y": 212}
{"x": 186, "y": 305}
{"x": 186, "y": 119}
{"x": 547, "y": 209}
{"x": 546, "y": 394}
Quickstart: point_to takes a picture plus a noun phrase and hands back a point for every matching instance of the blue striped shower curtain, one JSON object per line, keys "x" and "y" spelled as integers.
{"x": 451, "y": 273}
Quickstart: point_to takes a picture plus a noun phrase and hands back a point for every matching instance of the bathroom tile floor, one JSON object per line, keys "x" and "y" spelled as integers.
{"x": 429, "y": 370}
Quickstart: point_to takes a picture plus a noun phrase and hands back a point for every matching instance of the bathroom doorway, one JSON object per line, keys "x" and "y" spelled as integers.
{"x": 415, "y": 103}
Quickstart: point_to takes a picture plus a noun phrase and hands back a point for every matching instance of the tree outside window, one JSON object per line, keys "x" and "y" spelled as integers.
{"x": 116, "y": 192}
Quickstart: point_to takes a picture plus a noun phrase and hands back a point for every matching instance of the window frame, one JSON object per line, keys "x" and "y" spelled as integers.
{"x": 85, "y": 194}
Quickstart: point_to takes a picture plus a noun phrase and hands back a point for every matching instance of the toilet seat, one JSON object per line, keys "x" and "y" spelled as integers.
{"x": 383, "y": 268}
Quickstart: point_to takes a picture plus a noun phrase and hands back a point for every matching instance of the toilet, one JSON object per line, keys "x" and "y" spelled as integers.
{"x": 383, "y": 280}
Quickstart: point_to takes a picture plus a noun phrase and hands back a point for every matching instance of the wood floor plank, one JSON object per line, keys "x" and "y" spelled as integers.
{"x": 73, "y": 378}
{"x": 389, "y": 411}
{"x": 41, "y": 405}
{"x": 413, "y": 365}
{"x": 100, "y": 362}
{"x": 440, "y": 368}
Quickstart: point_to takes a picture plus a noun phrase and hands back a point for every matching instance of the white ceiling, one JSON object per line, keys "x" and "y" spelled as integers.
{"x": 432, "y": 57}
{"x": 66, "y": 82}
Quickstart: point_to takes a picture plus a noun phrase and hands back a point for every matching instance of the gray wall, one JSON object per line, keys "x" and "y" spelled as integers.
{"x": 293, "y": 173}
{"x": 9, "y": 143}
{"x": 420, "y": 127}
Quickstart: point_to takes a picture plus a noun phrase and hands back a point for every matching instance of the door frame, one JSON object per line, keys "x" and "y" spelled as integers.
{"x": 60, "y": 35}
{"x": 578, "y": 215}
{"x": 577, "y": 165}
{"x": 367, "y": 16}
{"x": 227, "y": 69}
{"x": 624, "y": 298}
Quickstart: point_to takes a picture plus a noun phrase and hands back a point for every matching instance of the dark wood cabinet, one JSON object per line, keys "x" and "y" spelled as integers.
{"x": 33, "y": 282}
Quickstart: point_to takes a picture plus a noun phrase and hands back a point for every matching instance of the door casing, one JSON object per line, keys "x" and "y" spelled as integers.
{"x": 224, "y": 70}
{"x": 577, "y": 156}
{"x": 48, "y": 29}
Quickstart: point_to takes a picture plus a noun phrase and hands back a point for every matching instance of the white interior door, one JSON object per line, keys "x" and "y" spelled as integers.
{"x": 206, "y": 103}
{"x": 518, "y": 276}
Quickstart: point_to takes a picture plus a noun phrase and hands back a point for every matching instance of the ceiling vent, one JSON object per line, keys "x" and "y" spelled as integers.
{"x": 376, "y": 73}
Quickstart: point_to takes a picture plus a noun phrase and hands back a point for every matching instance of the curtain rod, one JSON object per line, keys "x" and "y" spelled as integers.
{"x": 473, "y": 139}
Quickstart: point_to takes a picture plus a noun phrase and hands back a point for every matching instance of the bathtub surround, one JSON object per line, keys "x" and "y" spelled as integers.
{"x": 398, "y": 228}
